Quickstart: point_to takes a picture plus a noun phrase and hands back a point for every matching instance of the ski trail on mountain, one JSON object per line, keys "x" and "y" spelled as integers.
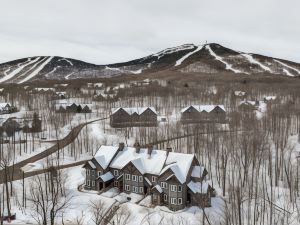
{"x": 287, "y": 66}
{"x": 254, "y": 61}
{"x": 36, "y": 72}
{"x": 18, "y": 70}
{"x": 68, "y": 61}
{"x": 179, "y": 61}
{"x": 228, "y": 66}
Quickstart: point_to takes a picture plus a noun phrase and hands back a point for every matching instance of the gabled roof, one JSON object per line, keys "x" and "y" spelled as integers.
{"x": 105, "y": 154}
{"x": 144, "y": 162}
{"x": 203, "y": 108}
{"x": 198, "y": 187}
{"x": 92, "y": 165}
{"x": 106, "y": 177}
{"x": 158, "y": 188}
{"x": 3, "y": 105}
{"x": 137, "y": 110}
{"x": 198, "y": 171}
{"x": 179, "y": 164}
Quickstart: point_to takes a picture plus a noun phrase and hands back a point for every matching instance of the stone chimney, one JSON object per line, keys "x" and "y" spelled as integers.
{"x": 137, "y": 147}
{"x": 121, "y": 146}
{"x": 150, "y": 149}
{"x": 168, "y": 150}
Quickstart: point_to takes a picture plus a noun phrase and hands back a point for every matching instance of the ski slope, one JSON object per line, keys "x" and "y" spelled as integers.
{"x": 287, "y": 66}
{"x": 18, "y": 70}
{"x": 228, "y": 66}
{"x": 179, "y": 61}
{"x": 36, "y": 72}
{"x": 254, "y": 61}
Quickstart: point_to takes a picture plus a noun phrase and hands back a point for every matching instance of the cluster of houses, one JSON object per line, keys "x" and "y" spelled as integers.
{"x": 73, "y": 108}
{"x": 147, "y": 116}
{"x": 175, "y": 180}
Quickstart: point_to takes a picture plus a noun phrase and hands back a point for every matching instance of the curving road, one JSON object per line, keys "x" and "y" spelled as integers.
{"x": 14, "y": 171}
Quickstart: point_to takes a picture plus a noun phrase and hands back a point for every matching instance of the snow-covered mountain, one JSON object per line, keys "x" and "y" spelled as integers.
{"x": 188, "y": 58}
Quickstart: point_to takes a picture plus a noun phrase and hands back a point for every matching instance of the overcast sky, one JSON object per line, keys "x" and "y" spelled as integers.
{"x": 110, "y": 31}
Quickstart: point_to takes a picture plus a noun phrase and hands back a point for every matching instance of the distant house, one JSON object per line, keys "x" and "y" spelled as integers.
{"x": 6, "y": 108}
{"x": 203, "y": 113}
{"x": 33, "y": 125}
{"x": 73, "y": 108}
{"x": 60, "y": 95}
{"x": 240, "y": 93}
{"x": 44, "y": 90}
{"x": 10, "y": 126}
{"x": 174, "y": 180}
{"x": 269, "y": 99}
{"x": 247, "y": 105}
{"x": 133, "y": 117}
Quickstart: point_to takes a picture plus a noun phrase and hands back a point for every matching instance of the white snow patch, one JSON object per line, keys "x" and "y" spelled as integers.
{"x": 228, "y": 66}
{"x": 64, "y": 59}
{"x": 67, "y": 77}
{"x": 292, "y": 68}
{"x": 179, "y": 61}
{"x": 34, "y": 73}
{"x": 18, "y": 70}
{"x": 254, "y": 61}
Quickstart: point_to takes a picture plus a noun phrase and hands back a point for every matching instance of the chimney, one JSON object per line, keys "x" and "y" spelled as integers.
{"x": 168, "y": 150}
{"x": 137, "y": 147}
{"x": 121, "y": 146}
{"x": 150, "y": 149}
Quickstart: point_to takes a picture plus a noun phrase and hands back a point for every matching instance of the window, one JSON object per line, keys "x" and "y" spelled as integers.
{"x": 93, "y": 172}
{"x": 179, "y": 188}
{"x": 127, "y": 176}
{"x": 140, "y": 179}
{"x": 179, "y": 201}
{"x": 174, "y": 201}
{"x": 88, "y": 172}
{"x": 116, "y": 173}
{"x": 165, "y": 197}
{"x": 134, "y": 177}
{"x": 154, "y": 179}
{"x": 135, "y": 189}
{"x": 116, "y": 183}
{"x": 141, "y": 190}
{"x": 174, "y": 188}
{"x": 164, "y": 185}
{"x": 99, "y": 173}
{"x": 88, "y": 183}
{"x": 127, "y": 187}
{"x": 93, "y": 183}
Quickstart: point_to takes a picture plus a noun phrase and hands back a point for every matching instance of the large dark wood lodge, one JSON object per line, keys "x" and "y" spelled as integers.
{"x": 175, "y": 180}
{"x": 203, "y": 114}
{"x": 133, "y": 117}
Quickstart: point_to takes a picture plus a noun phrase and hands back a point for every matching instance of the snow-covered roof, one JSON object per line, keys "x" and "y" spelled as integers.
{"x": 198, "y": 187}
{"x": 3, "y": 105}
{"x": 180, "y": 164}
{"x": 158, "y": 188}
{"x": 105, "y": 154}
{"x": 106, "y": 177}
{"x": 92, "y": 164}
{"x": 246, "y": 102}
{"x": 197, "y": 171}
{"x": 239, "y": 93}
{"x": 138, "y": 110}
{"x": 144, "y": 162}
{"x": 203, "y": 108}
{"x": 44, "y": 89}
{"x": 268, "y": 98}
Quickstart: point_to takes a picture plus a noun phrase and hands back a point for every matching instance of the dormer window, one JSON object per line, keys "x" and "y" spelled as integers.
{"x": 154, "y": 179}
{"x": 116, "y": 173}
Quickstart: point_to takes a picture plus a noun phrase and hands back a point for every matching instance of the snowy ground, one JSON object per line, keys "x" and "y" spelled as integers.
{"x": 139, "y": 214}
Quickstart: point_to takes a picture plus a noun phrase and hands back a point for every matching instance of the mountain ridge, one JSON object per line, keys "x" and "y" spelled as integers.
{"x": 210, "y": 58}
